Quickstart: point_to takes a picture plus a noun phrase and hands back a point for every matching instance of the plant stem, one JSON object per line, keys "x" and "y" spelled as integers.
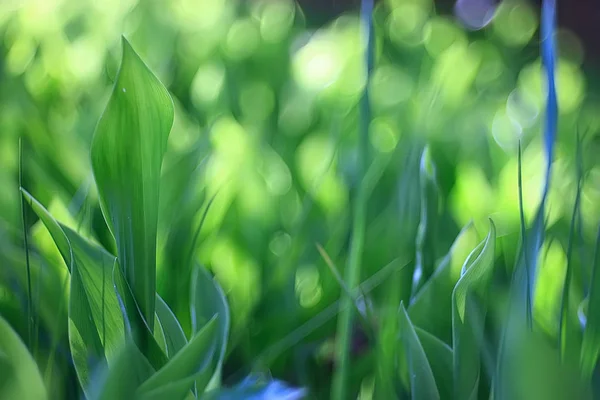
{"x": 30, "y": 323}
{"x": 352, "y": 273}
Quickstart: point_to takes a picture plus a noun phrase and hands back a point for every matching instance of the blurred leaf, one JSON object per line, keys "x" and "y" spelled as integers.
{"x": 208, "y": 301}
{"x": 535, "y": 372}
{"x": 95, "y": 322}
{"x": 431, "y": 307}
{"x": 469, "y": 300}
{"x": 440, "y": 358}
{"x": 192, "y": 359}
{"x": 24, "y": 379}
{"x": 127, "y": 153}
{"x": 174, "y": 336}
{"x": 422, "y": 382}
{"x": 590, "y": 348}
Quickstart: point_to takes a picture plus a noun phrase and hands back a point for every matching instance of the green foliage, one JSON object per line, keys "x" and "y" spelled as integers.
{"x": 20, "y": 375}
{"x": 180, "y": 257}
{"x": 127, "y": 154}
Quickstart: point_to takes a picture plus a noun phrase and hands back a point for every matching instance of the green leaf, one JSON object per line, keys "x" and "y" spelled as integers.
{"x": 468, "y": 316}
{"x": 431, "y": 308}
{"x": 440, "y": 358}
{"x": 128, "y": 371}
{"x": 591, "y": 335}
{"x": 127, "y": 153}
{"x": 95, "y": 322}
{"x": 207, "y": 301}
{"x": 136, "y": 326}
{"x": 174, "y": 336}
{"x": 422, "y": 382}
{"x": 23, "y": 379}
{"x": 195, "y": 357}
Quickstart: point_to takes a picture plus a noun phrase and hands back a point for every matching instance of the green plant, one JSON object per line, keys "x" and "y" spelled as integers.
{"x": 181, "y": 263}
{"x": 116, "y": 320}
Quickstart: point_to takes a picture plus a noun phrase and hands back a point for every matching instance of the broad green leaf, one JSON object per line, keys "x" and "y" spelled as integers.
{"x": 468, "y": 316}
{"x": 422, "y": 382}
{"x": 95, "y": 321}
{"x": 207, "y": 301}
{"x": 127, "y": 153}
{"x": 440, "y": 358}
{"x": 427, "y": 232}
{"x": 431, "y": 308}
{"x": 174, "y": 336}
{"x": 590, "y": 348}
{"x": 128, "y": 371}
{"x": 197, "y": 355}
{"x": 21, "y": 377}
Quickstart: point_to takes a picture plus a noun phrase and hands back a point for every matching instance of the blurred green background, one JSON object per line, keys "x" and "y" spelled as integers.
{"x": 266, "y": 124}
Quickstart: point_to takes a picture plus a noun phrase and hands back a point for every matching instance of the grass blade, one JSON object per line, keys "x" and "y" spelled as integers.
{"x": 427, "y": 231}
{"x": 352, "y": 273}
{"x": 30, "y": 322}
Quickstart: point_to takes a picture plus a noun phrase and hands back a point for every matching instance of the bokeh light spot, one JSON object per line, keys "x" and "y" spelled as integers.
{"x": 440, "y": 33}
{"x": 207, "y": 84}
{"x": 515, "y": 23}
{"x": 242, "y": 39}
{"x": 390, "y": 86}
{"x": 383, "y": 135}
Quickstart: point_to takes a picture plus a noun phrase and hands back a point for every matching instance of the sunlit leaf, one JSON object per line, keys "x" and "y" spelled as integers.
{"x": 127, "y": 153}
{"x": 23, "y": 379}
{"x": 469, "y": 304}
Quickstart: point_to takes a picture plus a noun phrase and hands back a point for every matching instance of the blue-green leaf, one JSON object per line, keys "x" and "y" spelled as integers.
{"x": 440, "y": 358}
{"x": 422, "y": 382}
{"x": 207, "y": 301}
{"x": 174, "y": 336}
{"x": 127, "y": 153}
